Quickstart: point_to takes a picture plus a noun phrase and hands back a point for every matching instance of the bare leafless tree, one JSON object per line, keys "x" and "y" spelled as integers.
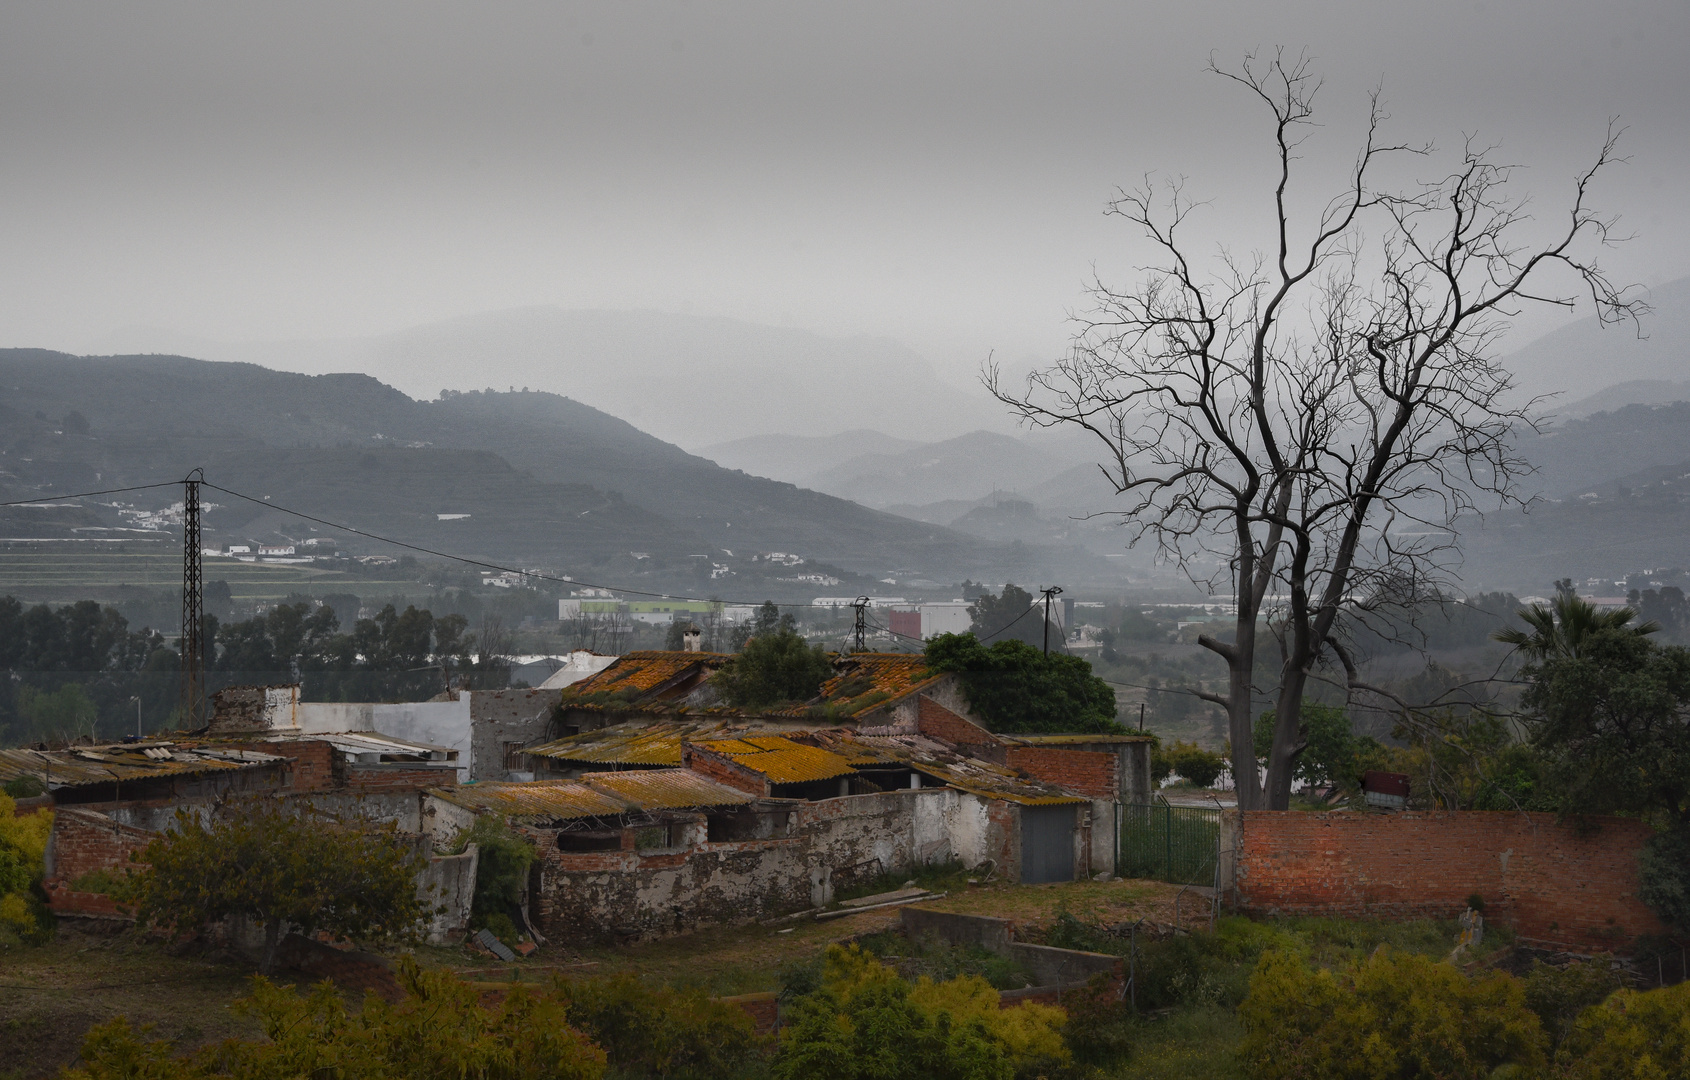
{"x": 1308, "y": 424}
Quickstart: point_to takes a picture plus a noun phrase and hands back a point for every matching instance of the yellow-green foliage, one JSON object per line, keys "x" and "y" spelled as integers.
{"x": 23, "y": 848}
{"x": 1631, "y": 1036}
{"x": 867, "y": 1023}
{"x": 1393, "y": 1015}
{"x": 439, "y": 1031}
{"x": 660, "y": 1031}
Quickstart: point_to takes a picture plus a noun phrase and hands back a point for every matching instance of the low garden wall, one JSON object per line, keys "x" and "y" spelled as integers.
{"x": 1571, "y": 884}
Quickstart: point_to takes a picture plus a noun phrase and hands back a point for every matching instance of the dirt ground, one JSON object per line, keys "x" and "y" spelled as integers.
{"x": 52, "y": 994}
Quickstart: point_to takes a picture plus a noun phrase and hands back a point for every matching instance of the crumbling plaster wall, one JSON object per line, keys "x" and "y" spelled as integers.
{"x": 832, "y": 844}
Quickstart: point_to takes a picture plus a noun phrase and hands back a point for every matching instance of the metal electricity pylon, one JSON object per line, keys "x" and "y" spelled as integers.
{"x": 191, "y": 702}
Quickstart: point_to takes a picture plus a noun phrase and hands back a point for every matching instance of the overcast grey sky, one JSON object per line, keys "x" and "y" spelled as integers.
{"x": 929, "y": 172}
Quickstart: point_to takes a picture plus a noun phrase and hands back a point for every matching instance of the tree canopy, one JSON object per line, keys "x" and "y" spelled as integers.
{"x": 1014, "y": 687}
{"x": 280, "y": 864}
{"x": 1010, "y": 616}
{"x": 773, "y": 668}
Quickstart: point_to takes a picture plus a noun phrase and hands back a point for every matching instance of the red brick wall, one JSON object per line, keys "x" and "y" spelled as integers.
{"x": 84, "y": 840}
{"x": 1548, "y": 880}
{"x": 939, "y": 722}
{"x": 313, "y": 761}
{"x": 723, "y": 770}
{"x": 1084, "y": 771}
{"x": 388, "y": 778}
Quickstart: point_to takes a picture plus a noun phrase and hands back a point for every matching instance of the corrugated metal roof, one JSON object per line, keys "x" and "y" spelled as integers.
{"x": 82, "y": 766}
{"x": 666, "y": 789}
{"x": 641, "y": 671}
{"x": 931, "y": 758}
{"x": 601, "y": 795}
{"x": 637, "y": 742}
{"x": 565, "y": 799}
{"x": 781, "y": 760}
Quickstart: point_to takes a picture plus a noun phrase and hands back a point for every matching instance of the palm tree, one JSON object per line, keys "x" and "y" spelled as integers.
{"x": 1563, "y": 626}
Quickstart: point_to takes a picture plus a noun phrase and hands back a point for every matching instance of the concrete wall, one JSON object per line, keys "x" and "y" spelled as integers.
{"x": 1552, "y": 881}
{"x": 447, "y": 889}
{"x": 501, "y": 718}
{"x": 438, "y": 723}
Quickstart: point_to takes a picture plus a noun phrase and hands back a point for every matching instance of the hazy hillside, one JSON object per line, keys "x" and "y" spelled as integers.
{"x": 1618, "y": 396}
{"x": 347, "y": 446}
{"x": 688, "y": 379}
{"x": 1584, "y": 357}
{"x": 971, "y": 466}
{"x": 1576, "y": 454}
{"x": 798, "y": 458}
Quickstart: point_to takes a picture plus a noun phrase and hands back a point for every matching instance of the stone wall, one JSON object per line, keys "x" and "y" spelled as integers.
{"x": 1553, "y": 882}
{"x": 829, "y": 845}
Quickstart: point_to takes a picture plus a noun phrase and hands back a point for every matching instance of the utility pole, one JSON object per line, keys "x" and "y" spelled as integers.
{"x": 1049, "y": 593}
{"x": 861, "y": 604}
{"x": 191, "y": 702}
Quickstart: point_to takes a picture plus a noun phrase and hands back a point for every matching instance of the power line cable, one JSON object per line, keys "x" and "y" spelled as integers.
{"x": 90, "y": 494}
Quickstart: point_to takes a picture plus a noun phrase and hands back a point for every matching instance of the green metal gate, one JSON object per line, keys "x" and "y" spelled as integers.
{"x": 1169, "y": 843}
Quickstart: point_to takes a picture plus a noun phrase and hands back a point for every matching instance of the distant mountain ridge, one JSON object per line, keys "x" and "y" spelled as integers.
{"x": 348, "y": 446}
{"x": 692, "y": 380}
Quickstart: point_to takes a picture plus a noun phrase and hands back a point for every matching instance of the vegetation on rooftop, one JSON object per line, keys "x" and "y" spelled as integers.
{"x": 1014, "y": 687}
{"x": 776, "y": 666}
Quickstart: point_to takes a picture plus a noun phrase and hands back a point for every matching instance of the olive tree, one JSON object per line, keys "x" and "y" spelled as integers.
{"x": 282, "y": 865}
{"x": 1303, "y": 427}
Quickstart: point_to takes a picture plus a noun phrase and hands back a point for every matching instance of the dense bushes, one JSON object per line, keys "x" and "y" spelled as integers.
{"x": 23, "y": 846}
{"x": 1394, "y": 1015}
{"x": 440, "y": 1031}
{"x": 867, "y": 1023}
{"x": 661, "y": 1032}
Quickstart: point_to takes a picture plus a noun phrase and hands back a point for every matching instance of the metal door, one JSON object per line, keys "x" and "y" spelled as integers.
{"x": 1047, "y": 844}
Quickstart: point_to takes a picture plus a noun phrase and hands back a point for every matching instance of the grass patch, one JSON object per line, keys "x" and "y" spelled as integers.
{"x": 1191, "y": 1044}
{"x": 934, "y": 877}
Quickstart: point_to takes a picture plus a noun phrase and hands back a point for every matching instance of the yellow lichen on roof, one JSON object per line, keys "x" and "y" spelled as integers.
{"x": 640, "y": 672}
{"x": 781, "y": 760}
{"x": 596, "y": 795}
{"x": 864, "y": 680}
{"x": 658, "y": 744}
{"x": 666, "y": 789}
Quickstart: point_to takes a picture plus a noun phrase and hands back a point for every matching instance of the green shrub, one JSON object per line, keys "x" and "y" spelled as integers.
{"x": 1193, "y": 763}
{"x": 1664, "y": 876}
{"x": 1631, "y": 1036}
{"x": 501, "y": 870}
{"x": 867, "y": 1023}
{"x": 24, "y": 787}
{"x": 1099, "y": 1030}
{"x": 1559, "y": 995}
{"x": 1394, "y": 1015}
{"x": 661, "y": 1031}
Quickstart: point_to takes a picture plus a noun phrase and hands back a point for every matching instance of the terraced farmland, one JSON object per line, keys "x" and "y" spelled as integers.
{"x": 68, "y": 572}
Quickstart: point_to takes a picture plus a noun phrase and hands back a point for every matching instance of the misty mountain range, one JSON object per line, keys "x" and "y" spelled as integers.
{"x": 548, "y": 479}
